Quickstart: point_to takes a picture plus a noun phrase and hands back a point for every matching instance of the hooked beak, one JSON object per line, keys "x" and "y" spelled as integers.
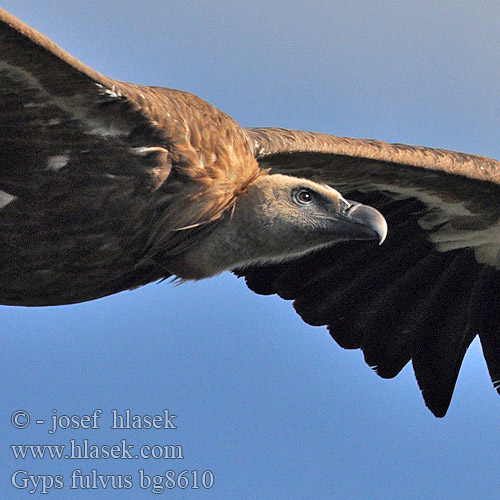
{"x": 369, "y": 224}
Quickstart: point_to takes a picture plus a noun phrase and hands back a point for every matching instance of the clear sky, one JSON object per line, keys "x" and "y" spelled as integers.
{"x": 273, "y": 407}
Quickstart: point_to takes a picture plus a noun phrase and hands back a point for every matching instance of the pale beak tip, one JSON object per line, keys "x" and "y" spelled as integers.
{"x": 383, "y": 232}
{"x": 370, "y": 218}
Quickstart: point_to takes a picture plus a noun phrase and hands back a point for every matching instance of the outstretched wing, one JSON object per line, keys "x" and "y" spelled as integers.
{"x": 84, "y": 206}
{"x": 430, "y": 288}
{"x": 77, "y": 169}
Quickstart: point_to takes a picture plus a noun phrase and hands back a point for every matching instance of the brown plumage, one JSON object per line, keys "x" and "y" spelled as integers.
{"x": 106, "y": 186}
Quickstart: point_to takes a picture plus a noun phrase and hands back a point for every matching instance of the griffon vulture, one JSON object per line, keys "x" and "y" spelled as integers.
{"x": 107, "y": 186}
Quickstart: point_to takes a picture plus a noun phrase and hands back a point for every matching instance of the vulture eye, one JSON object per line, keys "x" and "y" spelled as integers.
{"x": 303, "y": 196}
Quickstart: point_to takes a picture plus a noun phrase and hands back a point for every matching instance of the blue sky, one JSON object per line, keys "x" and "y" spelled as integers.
{"x": 272, "y": 406}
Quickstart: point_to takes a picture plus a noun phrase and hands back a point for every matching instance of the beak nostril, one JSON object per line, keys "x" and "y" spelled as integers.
{"x": 352, "y": 207}
{"x": 345, "y": 206}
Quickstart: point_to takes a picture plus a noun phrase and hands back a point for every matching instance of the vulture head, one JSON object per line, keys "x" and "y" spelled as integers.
{"x": 277, "y": 218}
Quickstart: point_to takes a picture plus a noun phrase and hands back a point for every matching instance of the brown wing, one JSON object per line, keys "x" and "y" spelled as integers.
{"x": 430, "y": 288}
{"x": 84, "y": 206}
{"x": 72, "y": 193}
